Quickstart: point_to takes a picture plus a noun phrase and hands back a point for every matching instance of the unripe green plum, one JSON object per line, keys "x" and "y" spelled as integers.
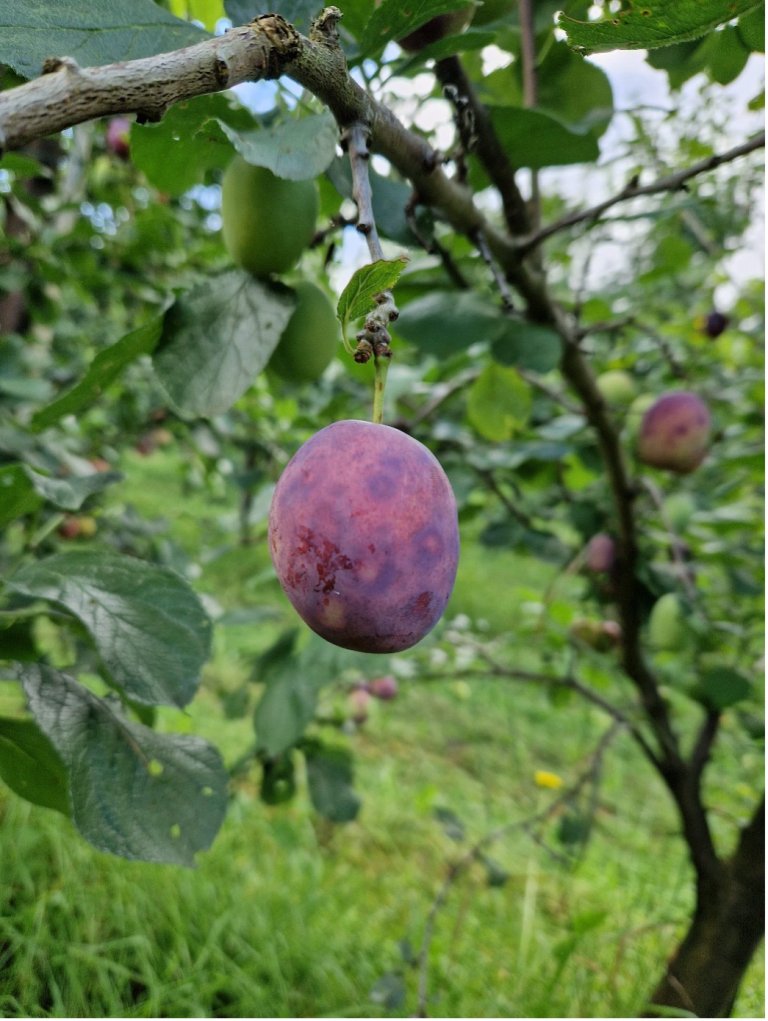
{"x": 617, "y": 387}
{"x": 309, "y": 341}
{"x": 677, "y": 510}
{"x": 666, "y": 624}
{"x": 363, "y": 535}
{"x": 675, "y": 432}
{"x": 267, "y": 222}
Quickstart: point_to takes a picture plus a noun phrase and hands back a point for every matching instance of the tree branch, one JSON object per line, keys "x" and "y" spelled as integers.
{"x": 672, "y": 182}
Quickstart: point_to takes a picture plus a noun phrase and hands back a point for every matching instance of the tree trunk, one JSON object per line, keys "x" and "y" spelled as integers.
{"x": 705, "y": 972}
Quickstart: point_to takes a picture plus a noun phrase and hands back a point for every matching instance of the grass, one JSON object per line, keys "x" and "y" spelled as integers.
{"x": 289, "y": 916}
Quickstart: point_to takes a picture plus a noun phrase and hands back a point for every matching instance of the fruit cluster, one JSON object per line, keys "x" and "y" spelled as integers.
{"x": 267, "y": 223}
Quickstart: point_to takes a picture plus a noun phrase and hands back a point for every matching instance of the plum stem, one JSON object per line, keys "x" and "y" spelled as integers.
{"x": 381, "y": 365}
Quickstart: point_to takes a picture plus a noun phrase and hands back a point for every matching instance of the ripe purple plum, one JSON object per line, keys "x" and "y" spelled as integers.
{"x": 600, "y": 555}
{"x": 715, "y": 324}
{"x": 118, "y": 137}
{"x": 675, "y": 432}
{"x": 383, "y": 688}
{"x": 363, "y": 534}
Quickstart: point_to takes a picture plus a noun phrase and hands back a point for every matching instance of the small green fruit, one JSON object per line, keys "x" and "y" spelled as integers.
{"x": 677, "y": 510}
{"x": 309, "y": 341}
{"x": 666, "y": 625}
{"x": 617, "y": 387}
{"x": 267, "y": 222}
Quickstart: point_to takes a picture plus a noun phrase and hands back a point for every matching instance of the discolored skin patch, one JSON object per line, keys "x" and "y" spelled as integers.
{"x": 364, "y": 537}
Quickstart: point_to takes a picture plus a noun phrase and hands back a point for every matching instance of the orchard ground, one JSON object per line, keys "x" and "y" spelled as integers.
{"x": 288, "y": 915}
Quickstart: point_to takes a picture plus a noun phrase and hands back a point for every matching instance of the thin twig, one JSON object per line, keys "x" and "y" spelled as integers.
{"x": 634, "y": 189}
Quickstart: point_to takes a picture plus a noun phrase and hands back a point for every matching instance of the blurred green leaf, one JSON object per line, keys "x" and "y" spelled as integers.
{"x": 148, "y": 625}
{"x": 134, "y": 792}
{"x": 498, "y": 403}
{"x": 329, "y": 778}
{"x": 298, "y": 12}
{"x": 30, "y": 766}
{"x": 394, "y": 19}
{"x": 527, "y": 346}
{"x": 92, "y": 32}
{"x": 105, "y": 368}
{"x": 444, "y": 322}
{"x": 536, "y": 139}
{"x": 23, "y": 490}
{"x": 721, "y": 687}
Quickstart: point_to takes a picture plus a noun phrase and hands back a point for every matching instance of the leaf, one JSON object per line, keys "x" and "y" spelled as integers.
{"x": 298, "y": 12}
{"x": 217, "y": 338}
{"x": 286, "y": 707}
{"x": 134, "y": 793}
{"x": 722, "y": 687}
{"x": 105, "y": 368}
{"x": 393, "y": 19}
{"x": 574, "y": 90}
{"x": 536, "y": 139}
{"x": 30, "y": 766}
{"x": 445, "y": 322}
{"x": 23, "y": 490}
{"x": 148, "y": 625}
{"x": 652, "y": 23}
{"x": 498, "y": 403}
{"x": 453, "y": 827}
{"x": 206, "y": 11}
{"x": 298, "y": 149}
{"x": 92, "y": 32}
{"x": 357, "y": 298}
{"x": 527, "y": 346}
{"x": 329, "y": 778}
{"x": 176, "y": 152}
{"x": 278, "y": 780}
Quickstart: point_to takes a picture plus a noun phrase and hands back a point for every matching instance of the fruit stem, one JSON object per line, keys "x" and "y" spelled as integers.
{"x": 379, "y": 382}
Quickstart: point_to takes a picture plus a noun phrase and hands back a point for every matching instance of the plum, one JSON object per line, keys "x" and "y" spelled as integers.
{"x": 675, "y": 432}
{"x": 363, "y": 534}
{"x": 600, "y": 553}
{"x": 384, "y": 688}
{"x": 118, "y": 137}
{"x": 715, "y": 324}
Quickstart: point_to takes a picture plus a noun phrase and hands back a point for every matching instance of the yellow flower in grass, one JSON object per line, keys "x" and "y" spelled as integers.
{"x": 543, "y": 778}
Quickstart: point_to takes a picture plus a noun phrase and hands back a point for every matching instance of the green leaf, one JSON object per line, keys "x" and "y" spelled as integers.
{"x": 722, "y": 687}
{"x": 134, "y": 792}
{"x": 286, "y": 707}
{"x": 147, "y": 624}
{"x": 752, "y": 29}
{"x": 23, "y": 490}
{"x": 30, "y": 766}
{"x": 92, "y": 32}
{"x": 527, "y": 346}
{"x": 357, "y": 298}
{"x": 575, "y": 91}
{"x": 329, "y": 778}
{"x": 536, "y": 139}
{"x": 206, "y": 11}
{"x": 298, "y": 12}
{"x": 498, "y": 403}
{"x": 298, "y": 149}
{"x": 644, "y": 26}
{"x": 176, "y": 152}
{"x": 393, "y": 19}
{"x": 278, "y": 780}
{"x": 217, "y": 338}
{"x": 452, "y": 825}
{"x": 105, "y": 368}
{"x": 445, "y": 322}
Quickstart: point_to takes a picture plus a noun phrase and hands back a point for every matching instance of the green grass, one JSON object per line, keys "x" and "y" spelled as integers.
{"x": 290, "y": 916}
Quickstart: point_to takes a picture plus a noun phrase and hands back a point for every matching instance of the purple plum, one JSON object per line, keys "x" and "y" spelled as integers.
{"x": 675, "y": 432}
{"x": 363, "y": 534}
